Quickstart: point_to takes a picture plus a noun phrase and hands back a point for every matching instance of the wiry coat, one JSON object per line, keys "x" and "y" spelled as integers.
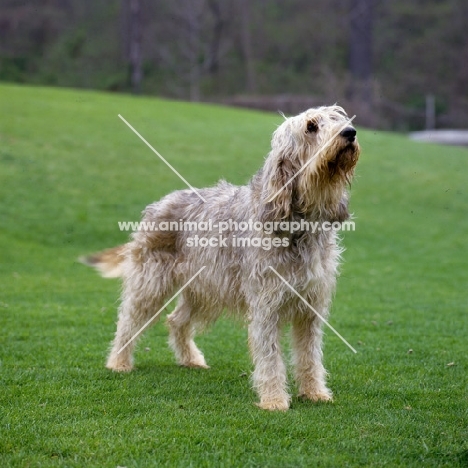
{"x": 155, "y": 264}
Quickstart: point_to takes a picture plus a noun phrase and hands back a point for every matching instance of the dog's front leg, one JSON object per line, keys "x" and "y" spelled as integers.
{"x": 269, "y": 376}
{"x": 307, "y": 357}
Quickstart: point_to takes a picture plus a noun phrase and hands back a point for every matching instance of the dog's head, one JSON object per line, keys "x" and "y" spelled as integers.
{"x": 312, "y": 159}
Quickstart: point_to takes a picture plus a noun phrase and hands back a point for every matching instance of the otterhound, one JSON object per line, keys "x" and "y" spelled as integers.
{"x": 304, "y": 180}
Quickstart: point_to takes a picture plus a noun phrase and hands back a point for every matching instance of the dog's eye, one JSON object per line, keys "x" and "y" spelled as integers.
{"x": 312, "y": 127}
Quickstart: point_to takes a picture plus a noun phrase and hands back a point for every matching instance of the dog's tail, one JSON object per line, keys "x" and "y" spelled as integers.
{"x": 108, "y": 262}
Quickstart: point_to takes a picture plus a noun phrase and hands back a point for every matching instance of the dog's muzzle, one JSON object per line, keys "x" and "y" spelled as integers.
{"x": 349, "y": 133}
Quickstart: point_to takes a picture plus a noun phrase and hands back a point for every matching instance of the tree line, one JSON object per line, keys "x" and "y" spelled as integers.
{"x": 380, "y": 58}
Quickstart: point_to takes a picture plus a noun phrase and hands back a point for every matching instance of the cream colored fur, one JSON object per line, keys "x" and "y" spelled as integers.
{"x": 154, "y": 265}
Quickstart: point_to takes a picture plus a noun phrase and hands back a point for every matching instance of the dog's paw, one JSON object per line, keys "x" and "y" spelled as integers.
{"x": 119, "y": 366}
{"x": 195, "y": 360}
{"x": 274, "y": 405}
{"x": 321, "y": 395}
{"x": 196, "y": 365}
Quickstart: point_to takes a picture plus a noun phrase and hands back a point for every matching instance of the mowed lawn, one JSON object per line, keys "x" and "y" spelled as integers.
{"x": 70, "y": 170}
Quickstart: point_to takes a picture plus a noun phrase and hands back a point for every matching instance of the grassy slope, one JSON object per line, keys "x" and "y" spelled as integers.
{"x": 70, "y": 169}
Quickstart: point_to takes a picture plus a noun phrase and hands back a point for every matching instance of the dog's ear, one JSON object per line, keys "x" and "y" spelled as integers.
{"x": 277, "y": 189}
{"x": 278, "y": 179}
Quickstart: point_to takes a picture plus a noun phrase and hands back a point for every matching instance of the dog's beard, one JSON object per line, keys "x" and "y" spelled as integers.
{"x": 341, "y": 166}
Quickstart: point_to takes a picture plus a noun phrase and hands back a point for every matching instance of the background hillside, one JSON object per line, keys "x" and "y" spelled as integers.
{"x": 380, "y": 58}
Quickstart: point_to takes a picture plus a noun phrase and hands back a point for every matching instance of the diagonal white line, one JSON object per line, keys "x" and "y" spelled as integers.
{"x": 316, "y": 313}
{"x": 161, "y": 309}
{"x": 326, "y": 145}
{"x": 162, "y": 159}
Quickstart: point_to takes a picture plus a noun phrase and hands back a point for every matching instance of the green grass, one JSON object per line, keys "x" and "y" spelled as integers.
{"x": 70, "y": 169}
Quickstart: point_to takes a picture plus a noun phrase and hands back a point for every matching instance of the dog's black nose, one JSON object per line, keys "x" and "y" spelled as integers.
{"x": 349, "y": 133}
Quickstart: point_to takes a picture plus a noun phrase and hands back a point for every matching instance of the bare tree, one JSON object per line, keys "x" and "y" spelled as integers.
{"x": 218, "y": 27}
{"x": 360, "y": 49}
{"x": 195, "y": 43}
{"x": 193, "y": 14}
{"x": 132, "y": 34}
{"x": 246, "y": 44}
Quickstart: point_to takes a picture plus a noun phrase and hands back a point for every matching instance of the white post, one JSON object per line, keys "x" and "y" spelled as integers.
{"x": 430, "y": 112}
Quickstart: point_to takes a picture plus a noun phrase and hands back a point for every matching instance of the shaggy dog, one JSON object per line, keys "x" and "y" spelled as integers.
{"x": 304, "y": 179}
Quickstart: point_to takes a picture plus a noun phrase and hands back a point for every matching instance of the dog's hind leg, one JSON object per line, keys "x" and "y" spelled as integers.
{"x": 133, "y": 316}
{"x": 146, "y": 286}
{"x": 181, "y": 334}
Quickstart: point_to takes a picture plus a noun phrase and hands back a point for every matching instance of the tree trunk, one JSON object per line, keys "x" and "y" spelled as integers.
{"x": 135, "y": 58}
{"x": 360, "y": 49}
{"x": 193, "y": 12}
{"x": 246, "y": 44}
